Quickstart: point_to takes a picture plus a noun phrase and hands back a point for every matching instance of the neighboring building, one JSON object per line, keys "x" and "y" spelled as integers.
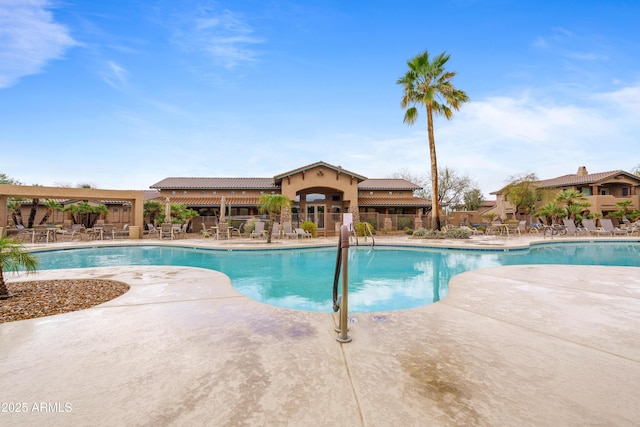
{"x": 320, "y": 193}
{"x": 602, "y": 190}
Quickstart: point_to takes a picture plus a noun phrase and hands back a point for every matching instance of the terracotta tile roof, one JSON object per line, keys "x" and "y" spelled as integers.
{"x": 574, "y": 179}
{"x": 387, "y": 184}
{"x": 322, "y": 164}
{"x": 216, "y": 183}
{"x": 211, "y": 201}
{"x": 393, "y": 201}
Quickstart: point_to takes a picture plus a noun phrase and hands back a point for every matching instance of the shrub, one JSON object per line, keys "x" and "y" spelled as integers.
{"x": 452, "y": 233}
{"x": 408, "y": 231}
{"x": 360, "y": 228}
{"x": 403, "y": 222}
{"x": 310, "y": 227}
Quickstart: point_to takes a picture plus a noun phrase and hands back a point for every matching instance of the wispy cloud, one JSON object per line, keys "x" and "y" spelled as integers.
{"x": 29, "y": 39}
{"x": 224, "y": 36}
{"x": 569, "y": 45}
{"x": 115, "y": 75}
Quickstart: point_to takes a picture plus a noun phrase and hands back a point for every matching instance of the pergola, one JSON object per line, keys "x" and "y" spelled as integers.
{"x": 135, "y": 197}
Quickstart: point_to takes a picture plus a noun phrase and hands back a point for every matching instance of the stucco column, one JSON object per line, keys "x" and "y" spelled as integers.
{"x": 356, "y": 214}
{"x": 285, "y": 215}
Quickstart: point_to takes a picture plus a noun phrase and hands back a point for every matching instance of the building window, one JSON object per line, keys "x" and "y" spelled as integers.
{"x": 244, "y": 193}
{"x": 371, "y": 193}
{"x": 213, "y": 192}
{"x": 604, "y": 192}
{"x": 202, "y": 192}
{"x": 400, "y": 193}
{"x": 262, "y": 192}
{"x": 233, "y": 192}
{"x": 173, "y": 192}
{"x": 391, "y": 193}
{"x": 315, "y": 197}
{"x": 625, "y": 191}
{"x": 115, "y": 210}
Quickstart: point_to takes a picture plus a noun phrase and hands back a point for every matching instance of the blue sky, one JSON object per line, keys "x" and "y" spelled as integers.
{"x": 122, "y": 94}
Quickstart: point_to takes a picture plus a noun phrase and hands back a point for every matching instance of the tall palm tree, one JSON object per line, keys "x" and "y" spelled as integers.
{"x": 427, "y": 83}
{"x": 52, "y": 206}
{"x": 273, "y": 204}
{"x": 12, "y": 257}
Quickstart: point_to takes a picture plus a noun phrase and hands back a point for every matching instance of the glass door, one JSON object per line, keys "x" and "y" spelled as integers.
{"x": 315, "y": 213}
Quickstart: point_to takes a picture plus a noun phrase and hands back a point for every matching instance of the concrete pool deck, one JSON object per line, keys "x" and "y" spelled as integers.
{"x": 528, "y": 345}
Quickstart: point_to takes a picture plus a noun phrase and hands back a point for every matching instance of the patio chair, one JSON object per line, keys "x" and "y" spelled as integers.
{"x": 237, "y": 230}
{"x": 301, "y": 233}
{"x": 123, "y": 232}
{"x": 75, "y": 232}
{"x": 258, "y": 231}
{"x": 288, "y": 232}
{"x": 607, "y": 225}
{"x": 166, "y": 231}
{"x": 223, "y": 231}
{"x": 152, "y": 231}
{"x": 513, "y": 227}
{"x": 591, "y": 228}
{"x": 107, "y": 231}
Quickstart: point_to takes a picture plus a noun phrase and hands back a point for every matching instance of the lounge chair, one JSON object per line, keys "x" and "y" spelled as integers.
{"x": 607, "y": 225}
{"x": 301, "y": 233}
{"x": 590, "y": 226}
{"x": 572, "y": 229}
{"x": 472, "y": 231}
{"x": 288, "y": 231}
{"x": 275, "y": 233}
{"x": 258, "y": 231}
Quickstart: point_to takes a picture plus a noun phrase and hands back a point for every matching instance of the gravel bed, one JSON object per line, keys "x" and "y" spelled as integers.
{"x": 28, "y": 300}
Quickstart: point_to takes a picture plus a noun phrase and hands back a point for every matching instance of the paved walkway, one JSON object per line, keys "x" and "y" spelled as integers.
{"x": 518, "y": 345}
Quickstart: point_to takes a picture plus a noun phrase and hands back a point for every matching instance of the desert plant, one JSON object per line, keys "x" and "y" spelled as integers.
{"x": 12, "y": 257}
{"x": 310, "y": 227}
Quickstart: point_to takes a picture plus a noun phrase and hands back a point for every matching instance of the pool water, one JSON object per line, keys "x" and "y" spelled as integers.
{"x": 380, "y": 279}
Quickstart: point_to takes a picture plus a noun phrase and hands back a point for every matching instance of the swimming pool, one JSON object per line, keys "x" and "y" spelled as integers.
{"x": 380, "y": 279}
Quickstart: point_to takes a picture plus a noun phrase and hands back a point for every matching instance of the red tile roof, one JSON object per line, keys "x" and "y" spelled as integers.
{"x": 393, "y": 201}
{"x": 574, "y": 179}
{"x": 387, "y": 184}
{"x": 216, "y": 183}
{"x": 320, "y": 164}
{"x": 212, "y": 201}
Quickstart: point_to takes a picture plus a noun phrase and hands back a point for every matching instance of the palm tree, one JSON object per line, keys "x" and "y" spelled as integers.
{"x": 32, "y": 212}
{"x": 273, "y": 204}
{"x": 52, "y": 206}
{"x": 575, "y": 201}
{"x": 428, "y": 83}
{"x": 12, "y": 257}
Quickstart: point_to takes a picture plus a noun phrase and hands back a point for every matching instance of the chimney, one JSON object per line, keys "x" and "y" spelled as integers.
{"x": 582, "y": 171}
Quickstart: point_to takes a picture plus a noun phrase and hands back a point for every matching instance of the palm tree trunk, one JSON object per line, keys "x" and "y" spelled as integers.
{"x": 32, "y": 213}
{"x": 4, "y": 292}
{"x": 435, "y": 203}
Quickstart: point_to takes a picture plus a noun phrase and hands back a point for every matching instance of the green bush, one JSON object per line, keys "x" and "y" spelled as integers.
{"x": 360, "y": 228}
{"x": 453, "y": 233}
{"x": 403, "y": 222}
{"x": 310, "y": 227}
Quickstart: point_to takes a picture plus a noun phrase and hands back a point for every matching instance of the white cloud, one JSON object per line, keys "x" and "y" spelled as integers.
{"x": 115, "y": 75}
{"x": 29, "y": 39}
{"x": 224, "y": 36}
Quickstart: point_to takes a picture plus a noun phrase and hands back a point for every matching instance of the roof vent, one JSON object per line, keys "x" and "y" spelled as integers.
{"x": 582, "y": 171}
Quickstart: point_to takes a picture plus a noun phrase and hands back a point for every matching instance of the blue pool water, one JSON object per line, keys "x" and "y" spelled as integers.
{"x": 380, "y": 279}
